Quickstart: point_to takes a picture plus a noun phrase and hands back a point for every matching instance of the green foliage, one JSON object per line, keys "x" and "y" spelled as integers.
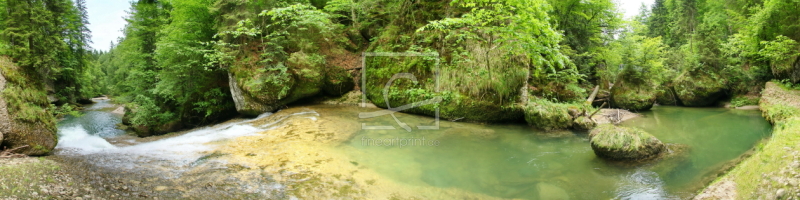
{"x": 64, "y": 110}
{"x": 740, "y": 101}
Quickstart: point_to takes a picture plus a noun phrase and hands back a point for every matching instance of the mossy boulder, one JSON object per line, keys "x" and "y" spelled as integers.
{"x": 787, "y": 69}
{"x": 547, "y": 115}
{"x": 630, "y": 96}
{"x": 24, "y": 116}
{"x": 699, "y": 88}
{"x": 256, "y": 90}
{"x": 338, "y": 81}
{"x": 583, "y": 123}
{"x": 666, "y": 96}
{"x": 623, "y": 143}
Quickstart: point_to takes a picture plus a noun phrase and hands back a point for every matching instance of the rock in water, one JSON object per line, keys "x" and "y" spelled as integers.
{"x": 699, "y": 89}
{"x": 583, "y": 123}
{"x": 547, "y": 115}
{"x": 548, "y": 191}
{"x": 623, "y": 143}
{"x": 23, "y": 117}
{"x": 634, "y": 97}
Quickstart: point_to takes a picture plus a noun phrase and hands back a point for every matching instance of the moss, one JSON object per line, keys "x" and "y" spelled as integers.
{"x": 628, "y": 96}
{"x": 739, "y": 101}
{"x": 583, "y": 123}
{"x": 30, "y": 122}
{"x": 547, "y": 115}
{"x": 338, "y": 81}
{"x": 699, "y": 88}
{"x": 624, "y": 143}
{"x": 665, "y": 95}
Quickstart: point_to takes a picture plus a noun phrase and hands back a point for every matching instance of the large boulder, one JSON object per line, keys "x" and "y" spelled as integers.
{"x": 637, "y": 97}
{"x": 546, "y": 115}
{"x": 787, "y": 69}
{"x": 666, "y": 96}
{"x": 699, "y": 89}
{"x": 24, "y": 119}
{"x": 623, "y": 143}
{"x": 256, "y": 90}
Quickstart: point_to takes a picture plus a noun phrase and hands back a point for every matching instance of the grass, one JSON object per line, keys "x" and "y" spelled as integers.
{"x": 546, "y": 115}
{"x": 624, "y": 138}
{"x": 781, "y": 107}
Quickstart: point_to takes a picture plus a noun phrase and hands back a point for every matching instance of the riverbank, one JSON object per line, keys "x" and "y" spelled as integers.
{"x": 772, "y": 172}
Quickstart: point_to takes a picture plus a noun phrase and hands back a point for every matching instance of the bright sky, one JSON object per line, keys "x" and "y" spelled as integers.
{"x": 631, "y": 7}
{"x": 106, "y": 18}
{"x": 106, "y": 21}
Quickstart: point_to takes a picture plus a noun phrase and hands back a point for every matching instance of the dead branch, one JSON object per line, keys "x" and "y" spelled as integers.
{"x": 9, "y": 153}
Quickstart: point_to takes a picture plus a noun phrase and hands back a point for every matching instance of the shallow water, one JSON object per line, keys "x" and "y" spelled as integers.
{"x": 505, "y": 161}
{"x": 518, "y": 162}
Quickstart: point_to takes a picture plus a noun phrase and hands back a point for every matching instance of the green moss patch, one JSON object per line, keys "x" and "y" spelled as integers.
{"x": 30, "y": 121}
{"x": 633, "y": 97}
{"x": 547, "y": 115}
{"x": 624, "y": 143}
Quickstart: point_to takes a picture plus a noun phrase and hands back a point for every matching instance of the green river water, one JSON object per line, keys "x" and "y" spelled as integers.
{"x": 516, "y": 162}
{"x": 505, "y": 160}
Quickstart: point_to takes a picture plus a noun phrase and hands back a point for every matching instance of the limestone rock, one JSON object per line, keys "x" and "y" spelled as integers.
{"x": 24, "y": 124}
{"x": 548, "y": 116}
{"x": 633, "y": 97}
{"x": 623, "y": 143}
{"x": 698, "y": 89}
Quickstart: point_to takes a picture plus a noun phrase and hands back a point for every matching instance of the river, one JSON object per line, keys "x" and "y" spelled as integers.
{"x": 317, "y": 151}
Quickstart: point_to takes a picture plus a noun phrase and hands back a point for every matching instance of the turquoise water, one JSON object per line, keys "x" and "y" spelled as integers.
{"x": 516, "y": 161}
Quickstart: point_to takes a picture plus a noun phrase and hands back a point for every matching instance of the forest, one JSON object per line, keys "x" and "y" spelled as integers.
{"x": 178, "y": 60}
{"x": 172, "y": 67}
{"x": 549, "y": 65}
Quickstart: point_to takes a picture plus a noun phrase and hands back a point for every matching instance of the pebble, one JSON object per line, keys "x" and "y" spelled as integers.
{"x": 780, "y": 193}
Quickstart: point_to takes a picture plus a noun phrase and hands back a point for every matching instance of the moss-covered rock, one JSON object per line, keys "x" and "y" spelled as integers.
{"x": 547, "y": 115}
{"x": 666, "y": 96}
{"x": 623, "y": 143}
{"x": 787, "y": 69}
{"x": 24, "y": 116}
{"x": 583, "y": 123}
{"x": 338, "y": 81}
{"x": 699, "y": 88}
{"x": 637, "y": 97}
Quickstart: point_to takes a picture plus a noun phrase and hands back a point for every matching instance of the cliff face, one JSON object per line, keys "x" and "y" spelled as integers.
{"x": 24, "y": 117}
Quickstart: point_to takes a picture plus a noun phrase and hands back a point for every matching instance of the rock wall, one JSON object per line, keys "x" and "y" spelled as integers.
{"x": 24, "y": 119}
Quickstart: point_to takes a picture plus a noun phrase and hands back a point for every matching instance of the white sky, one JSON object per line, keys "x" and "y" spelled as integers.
{"x": 106, "y": 21}
{"x": 631, "y": 7}
{"x": 106, "y": 18}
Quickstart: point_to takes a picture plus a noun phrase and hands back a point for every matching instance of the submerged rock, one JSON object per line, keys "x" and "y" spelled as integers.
{"x": 548, "y": 191}
{"x": 24, "y": 121}
{"x": 699, "y": 89}
{"x": 623, "y": 143}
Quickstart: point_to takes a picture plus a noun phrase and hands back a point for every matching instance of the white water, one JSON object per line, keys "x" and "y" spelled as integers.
{"x": 180, "y": 150}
